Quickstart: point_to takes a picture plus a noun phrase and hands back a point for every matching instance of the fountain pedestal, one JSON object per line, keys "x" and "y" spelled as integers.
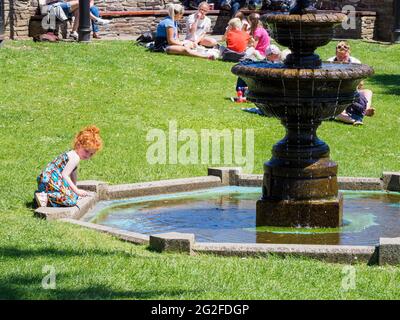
{"x": 300, "y": 181}
{"x": 300, "y": 213}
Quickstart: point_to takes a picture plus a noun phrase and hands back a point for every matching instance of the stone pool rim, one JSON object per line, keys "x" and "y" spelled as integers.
{"x": 386, "y": 252}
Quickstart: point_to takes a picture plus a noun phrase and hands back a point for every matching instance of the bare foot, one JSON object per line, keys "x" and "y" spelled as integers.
{"x": 370, "y": 112}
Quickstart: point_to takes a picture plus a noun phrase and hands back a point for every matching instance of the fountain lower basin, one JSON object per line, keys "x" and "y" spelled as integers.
{"x": 228, "y": 214}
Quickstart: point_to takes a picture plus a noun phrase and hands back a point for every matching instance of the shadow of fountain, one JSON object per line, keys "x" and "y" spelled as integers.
{"x": 17, "y": 287}
{"x": 388, "y": 82}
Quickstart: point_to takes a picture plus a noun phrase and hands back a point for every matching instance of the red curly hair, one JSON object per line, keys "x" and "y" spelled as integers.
{"x": 88, "y": 138}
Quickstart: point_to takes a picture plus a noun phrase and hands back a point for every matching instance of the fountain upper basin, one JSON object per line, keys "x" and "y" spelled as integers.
{"x": 312, "y": 93}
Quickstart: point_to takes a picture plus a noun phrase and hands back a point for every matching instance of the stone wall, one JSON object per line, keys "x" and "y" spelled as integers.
{"x": 383, "y": 8}
{"x": 18, "y": 13}
{"x": 365, "y": 28}
{"x": 16, "y": 17}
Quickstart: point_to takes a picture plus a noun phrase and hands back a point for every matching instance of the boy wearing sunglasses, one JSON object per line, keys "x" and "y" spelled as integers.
{"x": 343, "y": 54}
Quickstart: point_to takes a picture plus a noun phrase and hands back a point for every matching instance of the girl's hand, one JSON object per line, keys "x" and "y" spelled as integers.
{"x": 82, "y": 193}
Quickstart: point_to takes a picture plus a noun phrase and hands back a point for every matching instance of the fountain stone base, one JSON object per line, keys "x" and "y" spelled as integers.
{"x": 322, "y": 213}
{"x": 300, "y": 192}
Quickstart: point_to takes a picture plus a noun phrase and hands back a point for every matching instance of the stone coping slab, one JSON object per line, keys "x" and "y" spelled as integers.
{"x": 172, "y": 242}
{"x": 128, "y": 236}
{"x": 349, "y": 183}
{"x": 329, "y": 253}
{"x": 391, "y": 181}
{"x": 75, "y": 212}
{"x": 162, "y": 186}
{"x": 389, "y": 251}
{"x": 345, "y": 183}
{"x": 228, "y": 175}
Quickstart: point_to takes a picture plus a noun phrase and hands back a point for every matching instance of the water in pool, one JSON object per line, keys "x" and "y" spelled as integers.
{"x": 227, "y": 214}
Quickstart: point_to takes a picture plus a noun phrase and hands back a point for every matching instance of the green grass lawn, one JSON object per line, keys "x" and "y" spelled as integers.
{"x": 49, "y": 91}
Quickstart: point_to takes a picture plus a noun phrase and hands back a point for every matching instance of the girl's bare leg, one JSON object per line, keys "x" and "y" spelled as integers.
{"x": 74, "y": 9}
{"x": 181, "y": 50}
{"x": 76, "y": 21}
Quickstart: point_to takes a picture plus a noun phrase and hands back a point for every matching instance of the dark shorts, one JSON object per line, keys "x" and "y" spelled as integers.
{"x": 160, "y": 45}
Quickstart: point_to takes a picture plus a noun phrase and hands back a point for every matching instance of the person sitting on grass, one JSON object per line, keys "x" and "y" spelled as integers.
{"x": 232, "y": 5}
{"x": 273, "y": 54}
{"x": 95, "y": 12}
{"x": 198, "y": 24}
{"x": 167, "y": 37}
{"x": 245, "y": 23}
{"x": 259, "y": 34}
{"x": 236, "y": 41}
{"x": 71, "y": 9}
{"x": 235, "y": 5}
{"x": 58, "y": 179}
{"x": 343, "y": 54}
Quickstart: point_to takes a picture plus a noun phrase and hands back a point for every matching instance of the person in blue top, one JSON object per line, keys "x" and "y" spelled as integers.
{"x": 167, "y": 36}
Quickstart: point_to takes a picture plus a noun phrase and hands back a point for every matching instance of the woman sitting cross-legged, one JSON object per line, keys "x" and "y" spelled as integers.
{"x": 58, "y": 180}
{"x": 167, "y": 37}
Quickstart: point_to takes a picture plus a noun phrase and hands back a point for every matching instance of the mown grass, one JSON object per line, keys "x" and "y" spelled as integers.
{"x": 48, "y": 92}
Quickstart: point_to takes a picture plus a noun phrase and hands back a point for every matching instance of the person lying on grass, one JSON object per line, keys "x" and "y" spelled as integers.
{"x": 354, "y": 114}
{"x": 167, "y": 37}
{"x": 58, "y": 179}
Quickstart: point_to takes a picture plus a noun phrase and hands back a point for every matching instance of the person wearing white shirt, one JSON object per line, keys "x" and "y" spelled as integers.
{"x": 343, "y": 54}
{"x": 198, "y": 24}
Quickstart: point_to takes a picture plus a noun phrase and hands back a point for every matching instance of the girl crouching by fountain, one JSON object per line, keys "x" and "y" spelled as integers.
{"x": 57, "y": 182}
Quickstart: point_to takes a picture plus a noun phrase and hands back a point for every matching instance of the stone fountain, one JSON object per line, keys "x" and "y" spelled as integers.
{"x": 300, "y": 180}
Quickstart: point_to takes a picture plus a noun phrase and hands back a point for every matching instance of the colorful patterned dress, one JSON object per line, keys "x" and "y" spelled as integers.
{"x": 51, "y": 181}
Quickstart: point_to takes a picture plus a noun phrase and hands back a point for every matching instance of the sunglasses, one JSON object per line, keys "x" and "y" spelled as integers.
{"x": 343, "y": 48}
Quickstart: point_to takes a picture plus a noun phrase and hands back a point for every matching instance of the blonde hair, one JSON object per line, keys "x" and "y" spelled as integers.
{"x": 88, "y": 138}
{"x": 235, "y": 23}
{"x": 203, "y": 3}
{"x": 343, "y": 43}
{"x": 174, "y": 9}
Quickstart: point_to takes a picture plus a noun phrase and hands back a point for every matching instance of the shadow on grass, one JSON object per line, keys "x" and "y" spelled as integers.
{"x": 29, "y": 287}
{"x": 388, "y": 82}
{"x": 12, "y": 252}
{"x": 31, "y": 205}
